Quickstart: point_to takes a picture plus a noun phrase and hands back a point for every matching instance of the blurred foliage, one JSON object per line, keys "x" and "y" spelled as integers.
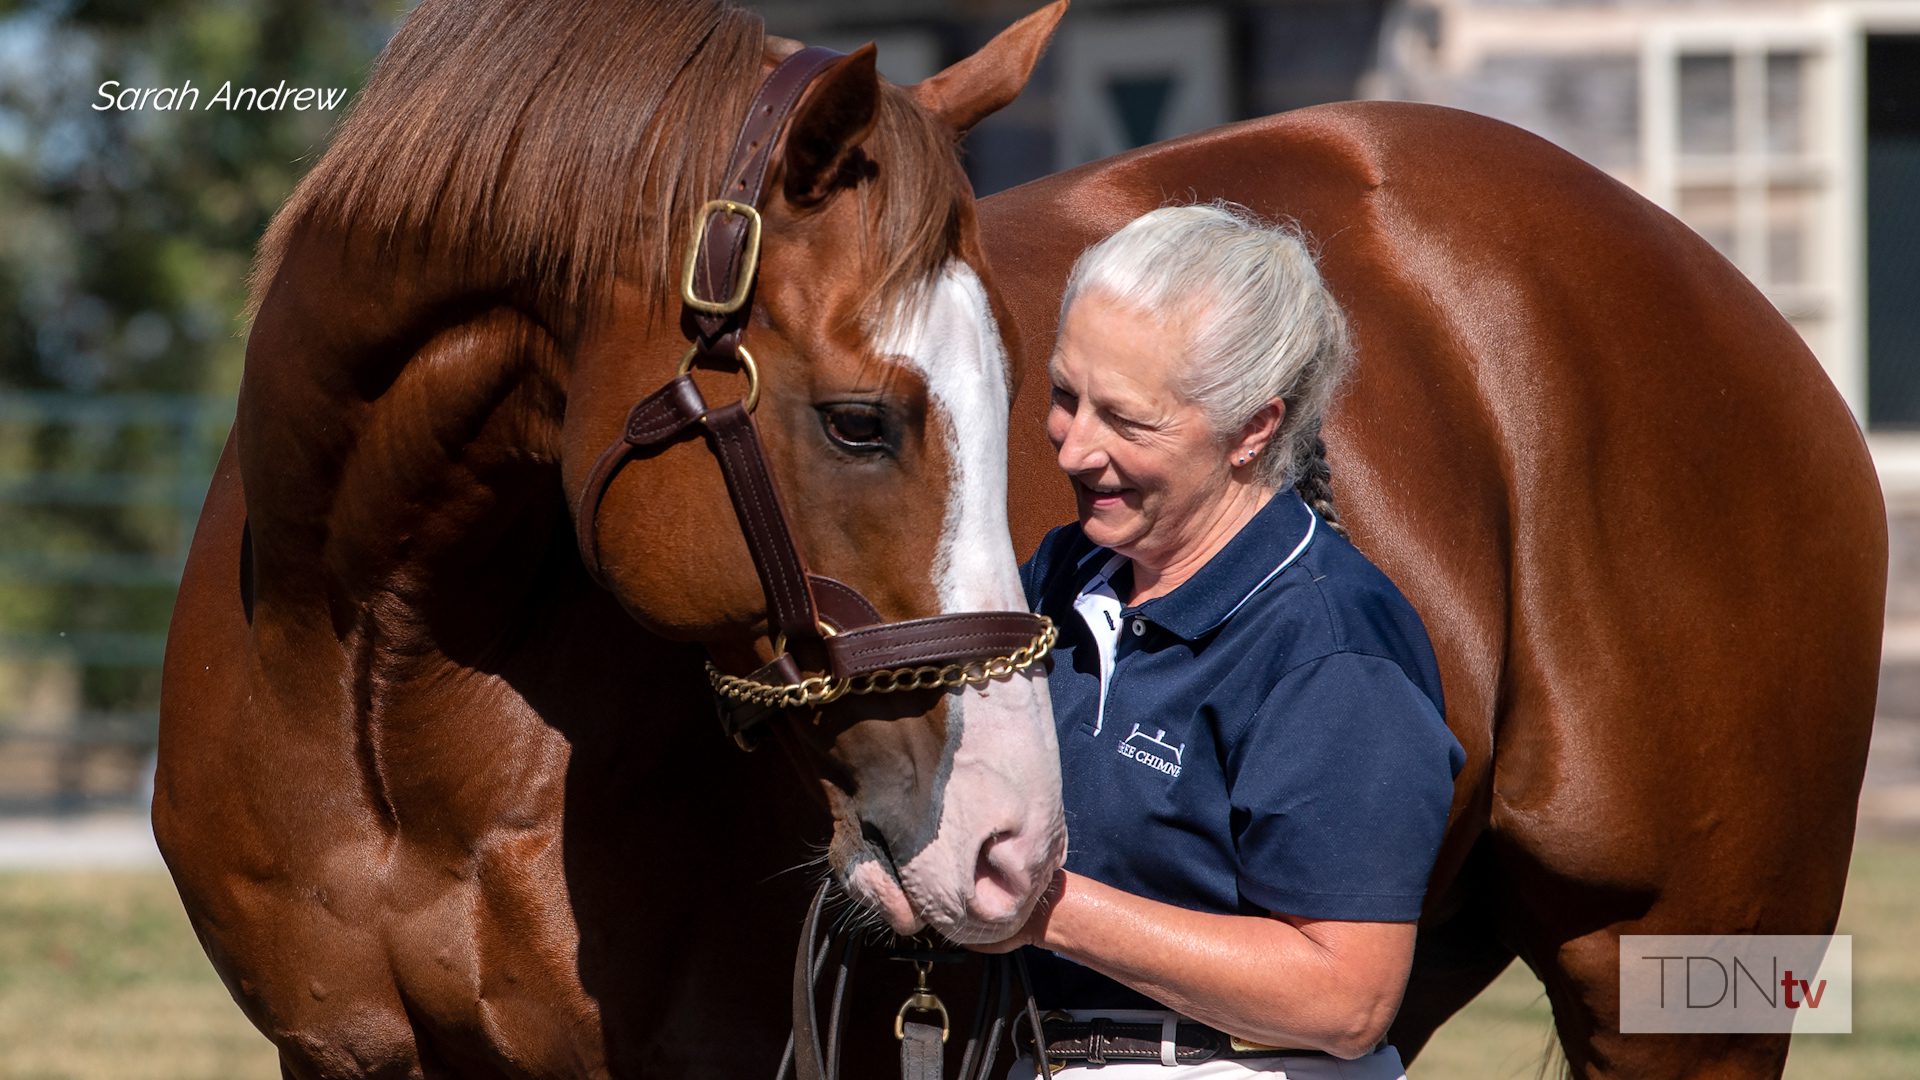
{"x": 125, "y": 238}
{"x": 124, "y": 261}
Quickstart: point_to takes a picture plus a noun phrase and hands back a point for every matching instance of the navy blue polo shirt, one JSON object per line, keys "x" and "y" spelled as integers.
{"x": 1266, "y": 737}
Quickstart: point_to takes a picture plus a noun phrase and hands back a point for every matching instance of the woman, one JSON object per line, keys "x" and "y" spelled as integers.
{"x": 1256, "y": 769}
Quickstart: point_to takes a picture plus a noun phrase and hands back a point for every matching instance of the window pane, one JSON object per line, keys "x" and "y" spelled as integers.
{"x": 1709, "y": 211}
{"x": 1786, "y": 103}
{"x": 1706, "y": 104}
{"x": 1790, "y": 212}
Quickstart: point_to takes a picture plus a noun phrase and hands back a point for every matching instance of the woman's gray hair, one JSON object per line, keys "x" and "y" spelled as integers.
{"x": 1260, "y": 321}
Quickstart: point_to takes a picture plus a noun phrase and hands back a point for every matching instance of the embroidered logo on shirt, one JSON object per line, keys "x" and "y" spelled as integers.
{"x": 1149, "y": 751}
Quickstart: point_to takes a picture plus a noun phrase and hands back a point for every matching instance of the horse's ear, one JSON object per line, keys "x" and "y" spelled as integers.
{"x": 983, "y": 83}
{"x": 839, "y": 112}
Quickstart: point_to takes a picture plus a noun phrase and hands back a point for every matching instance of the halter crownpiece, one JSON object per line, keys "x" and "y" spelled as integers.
{"x": 864, "y": 653}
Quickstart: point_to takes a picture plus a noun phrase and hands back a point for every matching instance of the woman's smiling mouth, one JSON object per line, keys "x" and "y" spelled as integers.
{"x": 1102, "y": 495}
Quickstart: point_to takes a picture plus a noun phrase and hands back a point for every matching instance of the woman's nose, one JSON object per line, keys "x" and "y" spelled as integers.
{"x": 1079, "y": 448}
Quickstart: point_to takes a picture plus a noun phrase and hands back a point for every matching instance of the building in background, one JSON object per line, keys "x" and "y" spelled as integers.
{"x": 1120, "y": 74}
{"x": 1777, "y": 129}
{"x": 1786, "y": 132}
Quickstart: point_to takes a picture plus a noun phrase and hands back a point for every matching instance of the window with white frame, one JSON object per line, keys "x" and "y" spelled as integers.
{"x": 1132, "y": 78}
{"x": 1734, "y": 147}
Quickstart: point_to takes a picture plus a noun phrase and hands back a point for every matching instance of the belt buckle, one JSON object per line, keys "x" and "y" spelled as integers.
{"x": 1057, "y": 1016}
{"x": 1237, "y": 1043}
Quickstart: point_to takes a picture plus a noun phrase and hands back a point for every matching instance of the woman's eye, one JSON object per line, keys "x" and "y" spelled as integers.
{"x": 1063, "y": 399}
{"x": 855, "y": 427}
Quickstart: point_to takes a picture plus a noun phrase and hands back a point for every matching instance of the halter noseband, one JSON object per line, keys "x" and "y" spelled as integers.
{"x": 864, "y": 653}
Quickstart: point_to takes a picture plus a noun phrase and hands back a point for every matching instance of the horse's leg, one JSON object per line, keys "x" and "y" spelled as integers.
{"x": 276, "y": 868}
{"x": 1453, "y": 961}
{"x": 1450, "y": 972}
{"x": 1581, "y": 980}
{"x": 1579, "y": 881}
{"x": 297, "y": 1065}
{"x": 1693, "y": 764}
{"x": 325, "y": 999}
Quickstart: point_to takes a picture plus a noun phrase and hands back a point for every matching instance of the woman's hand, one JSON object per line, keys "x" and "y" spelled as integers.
{"x": 1319, "y": 984}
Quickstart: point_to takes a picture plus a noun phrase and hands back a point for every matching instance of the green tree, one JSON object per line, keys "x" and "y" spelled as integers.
{"x": 125, "y": 238}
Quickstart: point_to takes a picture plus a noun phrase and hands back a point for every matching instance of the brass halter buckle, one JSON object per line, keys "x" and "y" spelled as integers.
{"x": 922, "y": 1000}
{"x": 750, "y": 256}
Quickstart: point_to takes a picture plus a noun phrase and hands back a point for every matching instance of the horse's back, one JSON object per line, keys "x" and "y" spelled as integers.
{"x": 1640, "y": 524}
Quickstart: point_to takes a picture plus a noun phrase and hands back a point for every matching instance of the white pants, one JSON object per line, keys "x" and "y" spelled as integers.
{"x": 1382, "y": 1064}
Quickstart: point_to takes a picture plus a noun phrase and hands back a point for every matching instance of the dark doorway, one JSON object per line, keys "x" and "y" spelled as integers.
{"x": 1893, "y": 231}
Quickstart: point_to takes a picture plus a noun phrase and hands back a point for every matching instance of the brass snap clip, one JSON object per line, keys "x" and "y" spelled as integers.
{"x": 921, "y": 1000}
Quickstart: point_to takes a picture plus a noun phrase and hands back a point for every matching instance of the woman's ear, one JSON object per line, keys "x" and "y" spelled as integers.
{"x": 1257, "y": 433}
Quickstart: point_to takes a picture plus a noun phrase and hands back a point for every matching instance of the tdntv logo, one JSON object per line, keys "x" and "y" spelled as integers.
{"x": 1684, "y": 983}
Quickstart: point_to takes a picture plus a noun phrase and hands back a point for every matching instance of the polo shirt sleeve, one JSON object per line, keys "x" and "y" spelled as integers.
{"x": 1340, "y": 783}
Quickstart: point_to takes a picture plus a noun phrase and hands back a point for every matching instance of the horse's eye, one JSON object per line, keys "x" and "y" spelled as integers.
{"x": 855, "y": 426}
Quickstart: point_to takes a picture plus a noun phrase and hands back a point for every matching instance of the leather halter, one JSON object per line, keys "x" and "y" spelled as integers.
{"x": 825, "y": 617}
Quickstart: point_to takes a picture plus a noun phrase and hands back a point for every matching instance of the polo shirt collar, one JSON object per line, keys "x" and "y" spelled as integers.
{"x": 1271, "y": 541}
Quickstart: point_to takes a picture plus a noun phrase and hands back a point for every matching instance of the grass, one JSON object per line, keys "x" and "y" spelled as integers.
{"x": 100, "y": 977}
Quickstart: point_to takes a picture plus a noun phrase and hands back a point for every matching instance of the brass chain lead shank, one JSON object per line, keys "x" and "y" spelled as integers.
{"x": 826, "y": 689}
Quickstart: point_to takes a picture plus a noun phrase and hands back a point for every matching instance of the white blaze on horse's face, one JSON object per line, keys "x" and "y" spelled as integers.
{"x": 1000, "y": 833}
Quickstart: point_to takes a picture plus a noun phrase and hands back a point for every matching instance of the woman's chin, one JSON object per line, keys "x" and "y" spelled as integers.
{"x": 1110, "y": 516}
{"x": 1109, "y": 529}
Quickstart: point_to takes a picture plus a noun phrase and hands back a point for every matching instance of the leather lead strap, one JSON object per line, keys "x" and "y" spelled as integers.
{"x": 805, "y": 1045}
{"x": 920, "y": 1057}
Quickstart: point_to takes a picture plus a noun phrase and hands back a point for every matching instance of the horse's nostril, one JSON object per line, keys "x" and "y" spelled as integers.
{"x": 999, "y": 877}
{"x": 994, "y": 853}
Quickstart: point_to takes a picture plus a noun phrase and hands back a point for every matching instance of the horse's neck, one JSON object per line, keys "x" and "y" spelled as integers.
{"x": 400, "y": 457}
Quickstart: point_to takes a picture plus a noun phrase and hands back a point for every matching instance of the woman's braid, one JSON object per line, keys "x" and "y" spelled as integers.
{"x": 1315, "y": 485}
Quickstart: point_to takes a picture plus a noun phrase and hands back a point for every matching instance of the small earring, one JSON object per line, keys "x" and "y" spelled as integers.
{"x": 1242, "y": 461}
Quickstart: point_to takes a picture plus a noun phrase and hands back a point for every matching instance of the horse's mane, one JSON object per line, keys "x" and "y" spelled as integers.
{"x": 558, "y": 142}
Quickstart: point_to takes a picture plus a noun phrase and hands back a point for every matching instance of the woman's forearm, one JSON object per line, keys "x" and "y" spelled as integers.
{"x": 1259, "y": 978}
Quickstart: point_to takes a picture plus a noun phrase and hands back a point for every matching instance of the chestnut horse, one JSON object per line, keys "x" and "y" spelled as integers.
{"x": 437, "y": 801}
{"x": 438, "y": 805}
{"x": 1641, "y": 526}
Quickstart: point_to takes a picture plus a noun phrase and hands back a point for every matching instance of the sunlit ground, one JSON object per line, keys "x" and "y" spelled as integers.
{"x": 101, "y": 978}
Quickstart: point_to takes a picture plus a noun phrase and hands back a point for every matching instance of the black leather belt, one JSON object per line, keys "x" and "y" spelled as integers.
{"x": 1101, "y": 1040}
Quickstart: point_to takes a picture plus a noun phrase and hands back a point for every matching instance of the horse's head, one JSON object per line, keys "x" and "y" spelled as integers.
{"x": 883, "y": 388}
